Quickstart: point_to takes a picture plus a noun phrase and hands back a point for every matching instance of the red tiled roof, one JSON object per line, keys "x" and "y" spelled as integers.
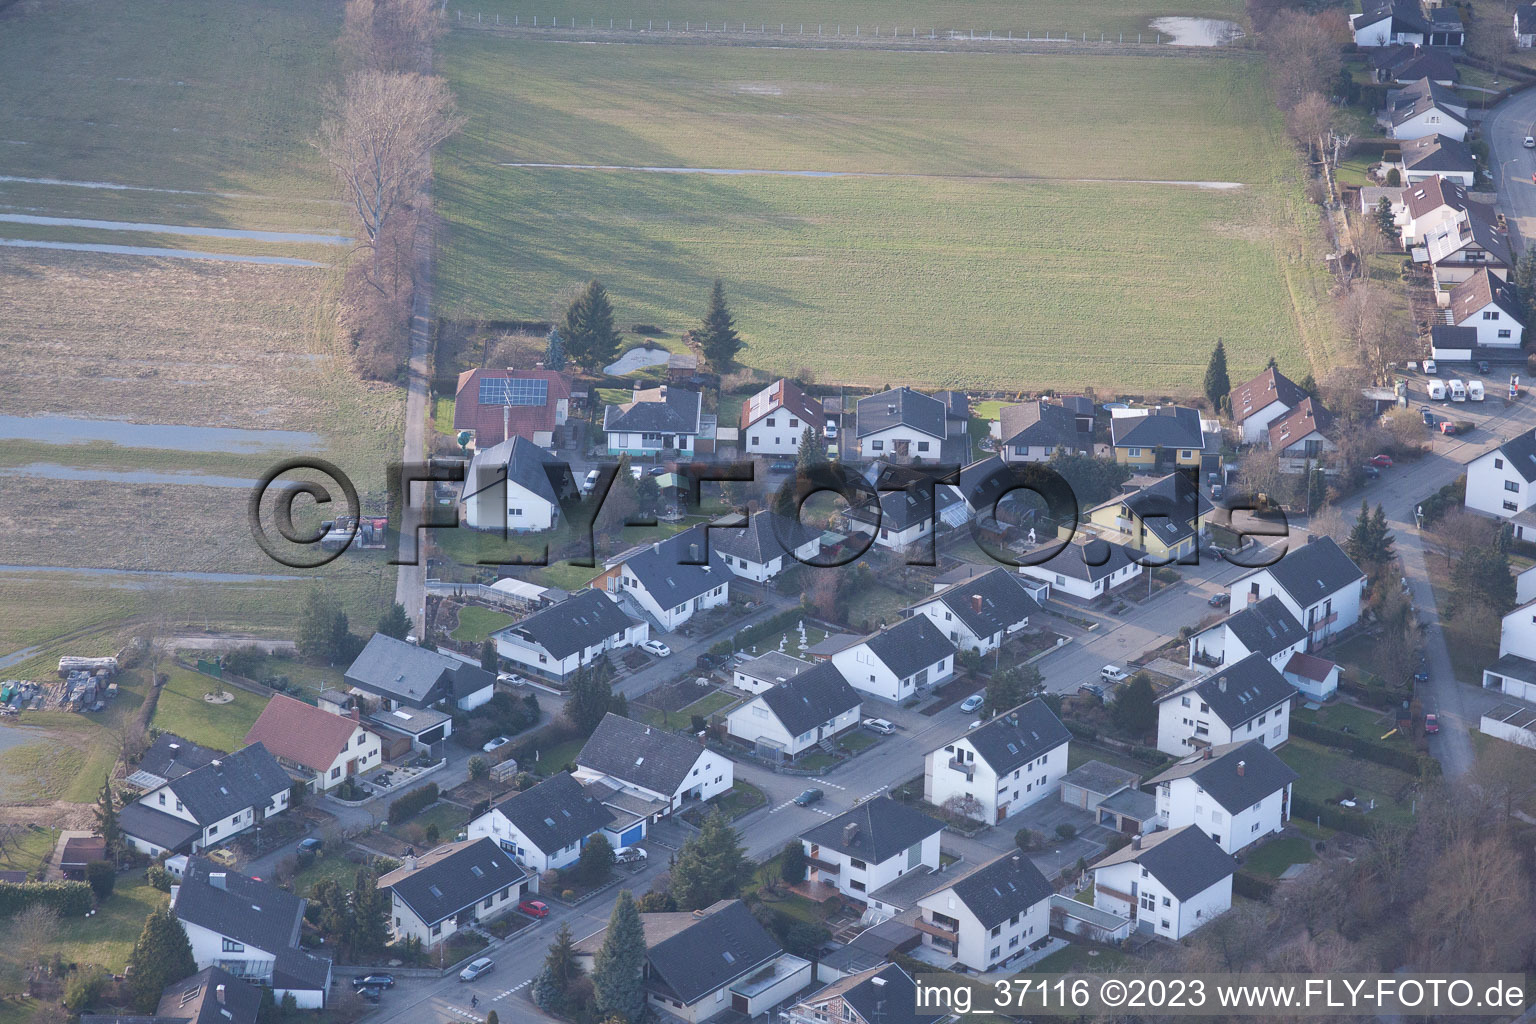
{"x": 295, "y": 731}
{"x": 522, "y": 420}
{"x": 782, "y": 394}
{"x": 1298, "y": 423}
{"x": 1309, "y": 666}
{"x": 1269, "y": 386}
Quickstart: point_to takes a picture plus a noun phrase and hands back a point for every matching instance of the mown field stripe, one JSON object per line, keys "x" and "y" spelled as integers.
{"x": 144, "y": 250}
{"x": 175, "y": 229}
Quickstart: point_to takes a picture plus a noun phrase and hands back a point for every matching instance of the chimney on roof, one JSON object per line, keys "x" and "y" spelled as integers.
{"x": 1242, "y": 767}
{"x": 218, "y": 993}
{"x": 175, "y": 747}
{"x": 216, "y": 879}
{"x": 357, "y": 715}
{"x": 1205, "y": 753}
{"x": 1221, "y": 684}
{"x": 693, "y": 552}
{"x": 850, "y": 833}
{"x": 1136, "y": 842}
{"x": 976, "y": 603}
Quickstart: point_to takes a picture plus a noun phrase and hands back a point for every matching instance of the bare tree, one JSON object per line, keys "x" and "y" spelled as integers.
{"x": 1303, "y": 56}
{"x": 389, "y": 35}
{"x": 31, "y": 936}
{"x": 1506, "y": 774}
{"x": 1310, "y": 121}
{"x": 1372, "y": 321}
{"x": 1478, "y": 914}
{"x": 1489, "y": 38}
{"x": 1368, "y": 237}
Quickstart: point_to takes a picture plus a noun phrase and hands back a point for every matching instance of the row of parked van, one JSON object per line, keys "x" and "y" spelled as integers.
{"x": 1456, "y": 390}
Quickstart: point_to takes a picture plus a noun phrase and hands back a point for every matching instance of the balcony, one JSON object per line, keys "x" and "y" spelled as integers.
{"x": 964, "y": 768}
{"x": 1116, "y": 894}
{"x": 826, "y": 867}
{"x": 937, "y": 930}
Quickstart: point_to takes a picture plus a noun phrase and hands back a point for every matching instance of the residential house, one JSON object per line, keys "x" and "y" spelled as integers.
{"x": 1316, "y": 678}
{"x": 767, "y": 545}
{"x": 399, "y": 674}
{"x": 989, "y": 916}
{"x": 1264, "y": 627}
{"x": 1152, "y": 438}
{"x": 1036, "y": 431}
{"x": 457, "y": 885}
{"x": 1525, "y": 25}
{"x": 424, "y": 730}
{"x": 1163, "y": 521}
{"x": 169, "y": 757}
{"x": 79, "y": 853}
{"x": 318, "y": 748}
{"x": 1432, "y": 206}
{"x": 901, "y": 423}
{"x": 1237, "y": 793}
{"x": 773, "y": 420}
{"x": 494, "y": 405}
{"x": 1438, "y": 156}
{"x": 655, "y": 420}
{"x": 1168, "y": 883}
{"x": 1389, "y": 23}
{"x": 1243, "y": 700}
{"x": 757, "y": 674}
{"x": 1406, "y": 64}
{"x": 516, "y": 486}
{"x": 1425, "y": 108}
{"x": 660, "y": 766}
{"x": 545, "y": 827}
{"x": 1317, "y": 582}
{"x": 671, "y": 579}
{"x": 1472, "y": 243}
{"x": 1112, "y": 795}
{"x": 207, "y": 805}
{"x": 1086, "y": 569}
{"x": 880, "y": 995}
{"x": 898, "y": 661}
{"x": 1501, "y": 482}
{"x": 980, "y": 613}
{"x": 1297, "y": 438}
{"x": 789, "y": 719}
{"x": 1261, "y": 401}
{"x": 898, "y": 518}
{"x": 1000, "y": 767}
{"x": 249, "y": 929}
{"x": 870, "y": 949}
{"x": 1446, "y": 27}
{"x": 211, "y": 996}
{"x": 1515, "y": 671}
{"x": 1489, "y": 306}
{"x": 557, "y": 640}
{"x": 862, "y": 850}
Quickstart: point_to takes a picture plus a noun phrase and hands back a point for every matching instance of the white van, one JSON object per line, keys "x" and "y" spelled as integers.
{"x": 1436, "y": 390}
{"x": 1457, "y": 389}
{"x": 1430, "y": 369}
{"x": 1113, "y": 674}
{"x": 590, "y": 482}
{"x": 1475, "y": 391}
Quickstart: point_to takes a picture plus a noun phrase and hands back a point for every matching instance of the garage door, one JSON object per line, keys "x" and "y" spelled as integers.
{"x": 633, "y": 836}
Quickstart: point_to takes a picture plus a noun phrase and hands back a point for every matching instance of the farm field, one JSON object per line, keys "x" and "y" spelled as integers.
{"x": 932, "y": 244}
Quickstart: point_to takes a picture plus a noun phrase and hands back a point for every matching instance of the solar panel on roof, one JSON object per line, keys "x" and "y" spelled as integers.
{"x": 514, "y": 391}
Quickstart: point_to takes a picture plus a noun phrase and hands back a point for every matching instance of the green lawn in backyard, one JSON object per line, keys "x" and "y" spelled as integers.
{"x": 994, "y": 229}
{"x": 816, "y": 761}
{"x": 449, "y": 819}
{"x": 476, "y": 623}
{"x": 66, "y": 755}
{"x": 742, "y": 798}
{"x": 1373, "y": 725}
{"x": 335, "y": 867}
{"x": 1271, "y": 859}
{"x": 182, "y": 710}
{"x": 857, "y": 741}
{"x": 442, "y": 414}
{"x": 311, "y": 678}
{"x": 106, "y": 938}
{"x": 1095, "y": 959}
{"x": 791, "y": 640}
{"x": 554, "y": 758}
{"x": 874, "y": 604}
{"x": 706, "y": 706}
{"x": 1326, "y": 773}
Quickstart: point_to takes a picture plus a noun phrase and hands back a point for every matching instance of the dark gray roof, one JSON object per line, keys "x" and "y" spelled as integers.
{"x": 985, "y": 481}
{"x": 555, "y": 813}
{"x": 299, "y": 969}
{"x": 1266, "y": 627}
{"x": 1132, "y": 803}
{"x": 772, "y": 667}
{"x": 584, "y": 619}
{"x": 1412, "y": 106}
{"x": 1098, "y": 777}
{"x": 243, "y": 909}
{"x": 1445, "y": 336}
{"x": 1216, "y": 770}
{"x": 1314, "y": 570}
{"x": 1240, "y": 692}
{"x": 413, "y": 675}
{"x": 1167, "y": 507}
{"x": 910, "y": 645}
{"x": 247, "y": 778}
{"x": 171, "y": 757}
{"x": 1004, "y": 602}
{"x": 901, "y": 407}
{"x": 525, "y": 464}
{"x": 471, "y": 872}
{"x": 881, "y": 995}
{"x": 766, "y": 536}
{"x": 1185, "y": 860}
{"x": 676, "y": 413}
{"x": 720, "y": 947}
{"x": 640, "y": 754}
{"x": 1042, "y": 423}
{"x": 1167, "y": 426}
{"x": 197, "y": 999}
{"x": 667, "y": 572}
{"x": 873, "y": 946}
{"x": 1091, "y": 560}
{"x": 1018, "y": 736}
{"x": 1520, "y": 452}
{"x": 1435, "y": 65}
{"x": 899, "y": 510}
{"x": 1514, "y": 665}
{"x": 1009, "y": 885}
{"x": 156, "y": 828}
{"x": 1526, "y": 17}
{"x": 885, "y": 828}
{"x": 1405, "y": 15}
{"x": 817, "y": 695}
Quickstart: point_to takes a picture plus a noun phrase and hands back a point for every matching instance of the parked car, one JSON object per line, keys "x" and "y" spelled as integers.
{"x": 374, "y": 981}
{"x": 1381, "y": 461}
{"x": 1530, "y": 142}
{"x": 781, "y": 466}
{"x": 1447, "y": 427}
{"x": 1431, "y": 724}
{"x": 657, "y": 648}
{"x": 1370, "y": 471}
{"x": 477, "y": 969}
{"x": 311, "y": 845}
{"x": 1217, "y": 599}
{"x": 590, "y": 481}
{"x": 1482, "y": 366}
{"x": 879, "y": 725}
{"x": 370, "y": 993}
{"x": 534, "y": 908}
{"x": 510, "y": 679}
{"x": 1430, "y": 368}
{"x": 1113, "y": 674}
{"x": 810, "y": 796}
{"x": 973, "y": 702}
{"x": 630, "y": 855}
{"x": 498, "y": 742}
{"x": 223, "y": 857}
{"x": 1092, "y": 688}
{"x": 1428, "y": 416}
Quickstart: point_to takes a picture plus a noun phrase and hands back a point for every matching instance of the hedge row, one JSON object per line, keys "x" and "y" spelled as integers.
{"x": 1252, "y": 886}
{"x": 749, "y": 635}
{"x": 413, "y": 803}
{"x": 1329, "y": 816}
{"x": 1360, "y": 746}
{"x": 70, "y": 899}
{"x": 1081, "y": 731}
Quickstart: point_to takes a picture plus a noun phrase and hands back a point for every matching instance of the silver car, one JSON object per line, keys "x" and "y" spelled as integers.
{"x": 477, "y": 968}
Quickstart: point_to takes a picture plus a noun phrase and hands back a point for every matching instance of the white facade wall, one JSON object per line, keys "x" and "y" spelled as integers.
{"x": 977, "y": 947}
{"x": 208, "y": 950}
{"x": 405, "y": 924}
{"x": 889, "y": 442}
{"x": 495, "y": 825}
{"x": 1517, "y": 633}
{"x": 541, "y": 661}
{"x": 1080, "y": 588}
{"x": 1432, "y": 121}
{"x": 1495, "y": 327}
{"x": 671, "y": 618}
{"x": 638, "y": 443}
{"x": 525, "y": 511}
{"x": 1343, "y": 604}
{"x": 1255, "y": 426}
{"x": 859, "y": 878}
{"x": 957, "y": 631}
{"x": 1495, "y": 488}
{"x": 896, "y": 540}
{"x": 776, "y": 433}
{"x": 362, "y": 753}
{"x": 1169, "y": 916}
{"x": 1182, "y": 802}
{"x": 754, "y": 720}
{"x": 1179, "y": 723}
{"x": 869, "y": 674}
{"x": 1000, "y": 798}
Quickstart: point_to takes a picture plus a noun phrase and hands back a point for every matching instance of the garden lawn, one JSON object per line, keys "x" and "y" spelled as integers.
{"x": 334, "y": 867}
{"x": 1272, "y": 858}
{"x": 554, "y": 758}
{"x": 182, "y": 710}
{"x": 742, "y": 798}
{"x": 26, "y": 853}
{"x": 1095, "y": 959}
{"x": 106, "y": 938}
{"x": 449, "y": 819}
{"x": 1326, "y": 773}
{"x": 476, "y": 623}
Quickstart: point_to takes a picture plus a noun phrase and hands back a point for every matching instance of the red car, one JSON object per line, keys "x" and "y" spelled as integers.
{"x": 1447, "y": 427}
{"x": 534, "y": 908}
{"x": 1382, "y": 461}
{"x": 1431, "y": 724}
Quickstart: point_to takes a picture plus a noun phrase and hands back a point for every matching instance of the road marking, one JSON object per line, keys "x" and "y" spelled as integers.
{"x": 783, "y": 805}
{"x": 511, "y": 990}
{"x": 818, "y": 810}
{"x": 873, "y": 793}
{"x": 824, "y": 782}
{"x": 459, "y": 1011}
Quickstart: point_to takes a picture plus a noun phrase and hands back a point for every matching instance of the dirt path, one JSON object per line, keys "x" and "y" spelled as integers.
{"x": 53, "y": 814}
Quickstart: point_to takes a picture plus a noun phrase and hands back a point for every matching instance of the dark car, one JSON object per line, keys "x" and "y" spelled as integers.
{"x": 1217, "y": 599}
{"x": 1482, "y": 366}
{"x": 781, "y": 466}
{"x": 1370, "y": 471}
{"x": 810, "y": 796}
{"x": 311, "y": 845}
{"x": 371, "y": 994}
{"x": 374, "y": 981}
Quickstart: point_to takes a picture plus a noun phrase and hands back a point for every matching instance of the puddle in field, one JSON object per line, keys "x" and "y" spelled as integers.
{"x": 637, "y": 359}
{"x": 1197, "y": 31}
{"x": 147, "y": 250}
{"x": 232, "y": 440}
{"x": 52, "y": 471}
{"x": 196, "y": 577}
{"x": 17, "y": 657}
{"x": 175, "y": 229}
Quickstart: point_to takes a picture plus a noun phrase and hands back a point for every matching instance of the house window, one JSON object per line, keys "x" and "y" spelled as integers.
{"x": 487, "y": 903}
{"x": 1490, "y": 314}
{"x": 1147, "y": 901}
{"x": 1255, "y": 827}
{"x": 1498, "y": 463}
{"x": 922, "y": 446}
{"x": 1134, "y": 453}
{"x": 1167, "y": 902}
{"x": 1504, "y": 334}
{"x": 1021, "y": 449}
{"x": 515, "y": 513}
{"x": 231, "y": 946}
{"x": 996, "y": 950}
{"x": 437, "y": 929}
{"x": 1511, "y": 506}
{"x": 1513, "y": 486}
{"x": 876, "y": 446}
{"x": 1184, "y": 701}
{"x": 335, "y": 773}
{"x": 756, "y": 439}
{"x": 162, "y": 799}
{"x": 772, "y": 422}
{"x": 1186, "y": 454}
{"x": 996, "y": 931}
{"x": 793, "y": 422}
{"x": 213, "y": 830}
{"x": 857, "y": 886}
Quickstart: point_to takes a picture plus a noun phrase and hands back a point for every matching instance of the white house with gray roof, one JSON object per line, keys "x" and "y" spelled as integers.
{"x": 1086, "y": 569}
{"x": 1036, "y": 431}
{"x": 990, "y": 916}
{"x": 786, "y": 720}
{"x": 665, "y": 418}
{"x": 206, "y": 806}
{"x": 757, "y": 674}
{"x": 516, "y": 486}
{"x": 861, "y": 851}
{"x": 1502, "y": 482}
{"x": 1168, "y": 883}
{"x": 980, "y": 613}
{"x": 1240, "y": 701}
{"x": 1237, "y": 793}
{"x": 546, "y": 826}
{"x": 664, "y": 767}
{"x": 901, "y": 423}
{"x": 899, "y": 660}
{"x": 396, "y": 674}
{"x": 1001, "y": 767}
{"x": 767, "y": 545}
{"x": 1318, "y": 583}
{"x": 455, "y": 886}
{"x": 672, "y": 579}
{"x": 555, "y": 641}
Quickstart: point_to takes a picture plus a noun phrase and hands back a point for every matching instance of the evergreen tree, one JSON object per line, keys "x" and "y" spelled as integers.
{"x": 590, "y": 699}
{"x": 620, "y": 705}
{"x": 1135, "y": 709}
{"x": 1217, "y": 386}
{"x": 1385, "y": 219}
{"x": 792, "y": 866}
{"x": 648, "y": 495}
{"x": 550, "y": 988}
{"x": 317, "y": 620}
{"x": 370, "y": 914}
{"x": 717, "y": 336}
{"x": 161, "y": 955}
{"x": 1525, "y": 280}
{"x": 395, "y": 622}
{"x": 1359, "y": 545}
{"x": 554, "y": 350}
{"x": 1381, "y": 536}
{"x": 590, "y": 337}
{"x": 1010, "y": 688}
{"x": 106, "y": 819}
{"x": 711, "y": 866}
{"x": 813, "y": 450}
{"x": 597, "y": 859}
{"x": 102, "y": 875}
{"x": 617, "y": 968}
{"x": 488, "y": 655}
{"x": 1482, "y": 577}
{"x": 1317, "y": 488}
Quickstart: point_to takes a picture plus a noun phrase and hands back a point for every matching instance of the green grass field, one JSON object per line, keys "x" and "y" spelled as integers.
{"x": 476, "y": 623}
{"x": 936, "y": 245}
{"x": 107, "y": 938}
{"x": 182, "y": 710}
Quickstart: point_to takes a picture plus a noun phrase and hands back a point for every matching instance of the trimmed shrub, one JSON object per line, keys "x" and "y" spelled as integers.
{"x": 413, "y": 803}
{"x": 1252, "y": 886}
{"x": 1330, "y": 816}
{"x": 70, "y": 899}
